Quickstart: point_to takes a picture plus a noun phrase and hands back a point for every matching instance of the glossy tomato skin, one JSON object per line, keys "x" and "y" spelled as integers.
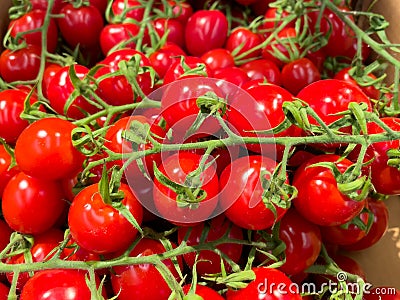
{"x": 41, "y": 250}
{"x": 257, "y": 110}
{"x": 241, "y": 193}
{"x": 66, "y": 284}
{"x": 319, "y": 199}
{"x": 31, "y": 205}
{"x": 116, "y": 90}
{"x": 164, "y": 57}
{"x": 384, "y": 177}
{"x": 113, "y": 34}
{"x": 33, "y": 20}
{"x": 205, "y": 30}
{"x": 127, "y": 9}
{"x": 43, "y": 4}
{"x": 97, "y": 226}
{"x": 12, "y": 104}
{"x": 176, "y": 70}
{"x": 265, "y": 286}
{"x": 61, "y": 87}
{"x": 20, "y": 65}
{"x": 6, "y": 173}
{"x": 203, "y": 291}
{"x": 209, "y": 262}
{"x": 143, "y": 281}
{"x": 263, "y": 69}
{"x": 48, "y": 74}
{"x": 298, "y": 74}
{"x": 89, "y": 21}
{"x": 47, "y": 143}
{"x": 378, "y": 228}
{"x": 218, "y": 58}
{"x": 175, "y": 30}
{"x": 303, "y": 243}
{"x": 245, "y": 40}
{"x": 176, "y": 167}
{"x": 233, "y": 75}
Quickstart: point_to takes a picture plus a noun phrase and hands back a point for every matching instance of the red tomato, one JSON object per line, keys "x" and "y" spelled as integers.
{"x": 260, "y": 109}
{"x": 209, "y": 262}
{"x": 345, "y": 234}
{"x": 174, "y": 28}
{"x": 6, "y": 173}
{"x": 242, "y": 40}
{"x": 273, "y": 18}
{"x": 303, "y": 243}
{"x": 20, "y": 65}
{"x": 205, "y": 30}
{"x": 218, "y": 58}
{"x": 201, "y": 290}
{"x": 328, "y": 97}
{"x": 176, "y": 168}
{"x": 319, "y": 199}
{"x": 24, "y": 200}
{"x": 126, "y": 9}
{"x": 283, "y": 48}
{"x": 5, "y": 290}
{"x": 89, "y": 21}
{"x": 269, "y": 284}
{"x": 65, "y": 284}
{"x": 45, "y": 144}
{"x": 49, "y": 73}
{"x": 43, "y": 4}
{"x": 181, "y": 10}
{"x": 33, "y": 20}
{"x": 233, "y": 75}
{"x": 60, "y": 89}
{"x": 5, "y": 234}
{"x": 378, "y": 227}
{"x": 116, "y": 89}
{"x": 97, "y": 226}
{"x": 114, "y": 34}
{"x": 298, "y": 74}
{"x": 164, "y": 57}
{"x": 12, "y": 104}
{"x": 179, "y": 70}
{"x": 41, "y": 250}
{"x": 241, "y": 193}
{"x": 143, "y": 281}
{"x": 101, "y": 5}
{"x": 263, "y": 69}
{"x": 180, "y": 109}
{"x": 370, "y": 90}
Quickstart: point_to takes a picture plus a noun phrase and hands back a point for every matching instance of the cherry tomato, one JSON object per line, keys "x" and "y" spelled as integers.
{"x": 303, "y": 243}
{"x": 114, "y": 34}
{"x": 174, "y": 28}
{"x": 273, "y": 18}
{"x": 233, "y": 75}
{"x": 201, "y": 290}
{"x": 46, "y": 143}
{"x": 48, "y": 74}
{"x": 269, "y": 284}
{"x": 378, "y": 228}
{"x": 4, "y": 291}
{"x": 218, "y": 58}
{"x": 43, "y": 4}
{"x": 241, "y": 193}
{"x": 262, "y": 69}
{"x": 41, "y": 250}
{"x": 143, "y": 281}
{"x": 181, "y": 10}
{"x": 116, "y": 89}
{"x": 97, "y": 226}
{"x": 12, "y": 103}
{"x": 164, "y": 57}
{"x": 20, "y": 65}
{"x": 60, "y": 89}
{"x": 6, "y": 173}
{"x": 298, "y": 74}
{"x": 126, "y": 9}
{"x": 89, "y": 21}
{"x": 209, "y": 262}
{"x": 33, "y": 20}
{"x": 205, "y": 30}
{"x": 242, "y": 40}
{"x": 31, "y": 205}
{"x": 319, "y": 198}
{"x": 260, "y": 109}
{"x": 65, "y": 284}
{"x": 176, "y": 167}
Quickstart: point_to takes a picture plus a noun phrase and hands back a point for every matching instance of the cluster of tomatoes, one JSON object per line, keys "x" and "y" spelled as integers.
{"x": 198, "y": 149}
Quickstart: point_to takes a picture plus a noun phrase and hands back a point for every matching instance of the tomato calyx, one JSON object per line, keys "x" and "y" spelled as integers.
{"x": 79, "y": 3}
{"x": 237, "y": 280}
